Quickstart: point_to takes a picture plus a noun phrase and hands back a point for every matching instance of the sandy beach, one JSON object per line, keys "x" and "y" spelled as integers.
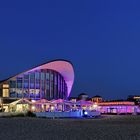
{"x": 106, "y": 128}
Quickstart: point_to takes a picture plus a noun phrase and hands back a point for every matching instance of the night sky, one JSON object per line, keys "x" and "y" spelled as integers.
{"x": 101, "y": 38}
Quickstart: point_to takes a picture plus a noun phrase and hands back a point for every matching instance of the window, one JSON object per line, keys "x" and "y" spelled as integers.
{"x": 47, "y": 76}
{"x": 19, "y": 82}
{"x": 32, "y": 76}
{"x": 51, "y": 76}
{"x": 5, "y": 86}
{"x": 12, "y": 84}
{"x": 42, "y": 76}
{"x": 5, "y": 92}
{"x": 37, "y": 75}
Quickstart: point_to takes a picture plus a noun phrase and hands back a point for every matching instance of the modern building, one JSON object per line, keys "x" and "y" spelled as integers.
{"x": 52, "y": 80}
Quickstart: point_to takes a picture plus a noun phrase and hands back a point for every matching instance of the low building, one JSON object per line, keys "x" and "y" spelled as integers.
{"x": 134, "y": 98}
{"x": 73, "y": 99}
{"x": 83, "y": 96}
{"x": 118, "y": 107}
{"x": 97, "y": 99}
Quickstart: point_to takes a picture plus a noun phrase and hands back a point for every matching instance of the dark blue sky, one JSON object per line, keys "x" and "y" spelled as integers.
{"x": 101, "y": 38}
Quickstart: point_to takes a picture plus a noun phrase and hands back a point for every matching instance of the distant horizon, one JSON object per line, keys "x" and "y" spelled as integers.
{"x": 133, "y": 92}
{"x": 90, "y": 96}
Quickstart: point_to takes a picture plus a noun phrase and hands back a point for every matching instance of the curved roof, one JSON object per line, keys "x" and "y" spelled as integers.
{"x": 83, "y": 94}
{"x": 65, "y": 68}
{"x": 97, "y": 96}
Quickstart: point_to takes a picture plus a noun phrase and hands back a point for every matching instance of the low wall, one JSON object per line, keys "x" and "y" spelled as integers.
{"x": 94, "y": 114}
{"x": 12, "y": 114}
{"x": 59, "y": 114}
{"x": 76, "y": 114}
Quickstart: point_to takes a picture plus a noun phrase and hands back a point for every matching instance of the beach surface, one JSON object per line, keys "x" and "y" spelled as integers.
{"x": 106, "y": 128}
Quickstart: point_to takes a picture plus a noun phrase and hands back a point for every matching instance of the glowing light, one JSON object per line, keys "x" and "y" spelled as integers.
{"x": 33, "y": 108}
{"x": 95, "y": 106}
{"x": 33, "y": 101}
{"x": 84, "y": 107}
{"x": 137, "y": 97}
{"x": 52, "y": 108}
{"x": 85, "y": 112}
{"x": 5, "y": 86}
{"x": 5, "y": 92}
{"x": 117, "y": 103}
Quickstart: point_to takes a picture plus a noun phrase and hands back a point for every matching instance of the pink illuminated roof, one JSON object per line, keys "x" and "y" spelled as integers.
{"x": 116, "y": 103}
{"x": 82, "y": 102}
{"x": 58, "y": 101}
{"x": 65, "y": 68}
{"x": 42, "y": 101}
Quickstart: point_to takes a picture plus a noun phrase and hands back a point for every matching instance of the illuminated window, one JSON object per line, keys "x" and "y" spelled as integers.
{"x": 5, "y": 86}
{"x": 5, "y": 92}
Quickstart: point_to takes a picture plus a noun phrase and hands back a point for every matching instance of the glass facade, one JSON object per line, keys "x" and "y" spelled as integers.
{"x": 42, "y": 84}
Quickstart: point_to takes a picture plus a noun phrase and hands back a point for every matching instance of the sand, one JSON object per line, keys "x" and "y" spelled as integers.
{"x": 107, "y": 128}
